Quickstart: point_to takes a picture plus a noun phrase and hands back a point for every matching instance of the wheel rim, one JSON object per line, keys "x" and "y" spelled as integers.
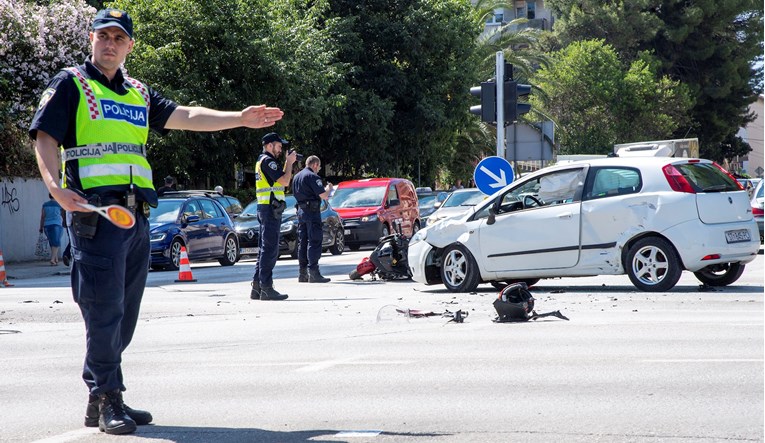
{"x": 340, "y": 240}
{"x": 231, "y": 249}
{"x": 175, "y": 253}
{"x": 454, "y": 268}
{"x": 650, "y": 265}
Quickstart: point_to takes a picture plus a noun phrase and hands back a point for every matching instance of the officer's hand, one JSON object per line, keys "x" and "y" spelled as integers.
{"x": 291, "y": 156}
{"x": 260, "y": 116}
{"x": 69, "y": 199}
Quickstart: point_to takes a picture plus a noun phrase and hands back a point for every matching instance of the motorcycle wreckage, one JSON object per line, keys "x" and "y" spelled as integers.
{"x": 388, "y": 261}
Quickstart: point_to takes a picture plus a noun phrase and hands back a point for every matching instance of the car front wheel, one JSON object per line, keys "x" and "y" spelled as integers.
{"x": 339, "y": 245}
{"x": 175, "y": 254}
{"x": 459, "y": 271}
{"x": 653, "y": 265}
{"x": 720, "y": 275}
{"x": 230, "y": 252}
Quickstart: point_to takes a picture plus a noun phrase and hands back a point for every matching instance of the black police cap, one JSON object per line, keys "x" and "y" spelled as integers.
{"x": 109, "y": 17}
{"x": 274, "y": 137}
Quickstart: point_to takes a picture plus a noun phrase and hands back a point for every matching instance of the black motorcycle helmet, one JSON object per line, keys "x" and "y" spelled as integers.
{"x": 514, "y": 303}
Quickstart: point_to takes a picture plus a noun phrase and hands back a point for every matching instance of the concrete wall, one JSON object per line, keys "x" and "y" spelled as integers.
{"x": 20, "y": 208}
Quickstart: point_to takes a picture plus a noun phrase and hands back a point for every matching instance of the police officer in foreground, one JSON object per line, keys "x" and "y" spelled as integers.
{"x": 270, "y": 180}
{"x": 309, "y": 192}
{"x": 98, "y": 119}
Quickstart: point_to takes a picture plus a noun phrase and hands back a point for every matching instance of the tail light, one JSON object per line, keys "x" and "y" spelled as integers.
{"x": 757, "y": 211}
{"x": 676, "y": 180}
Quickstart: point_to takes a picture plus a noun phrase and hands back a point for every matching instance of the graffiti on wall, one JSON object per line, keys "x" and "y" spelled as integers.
{"x": 9, "y": 199}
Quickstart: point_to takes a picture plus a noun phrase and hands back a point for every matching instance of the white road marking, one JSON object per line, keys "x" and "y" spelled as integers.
{"x": 706, "y": 360}
{"x": 361, "y": 434}
{"x": 319, "y": 366}
{"x": 69, "y": 436}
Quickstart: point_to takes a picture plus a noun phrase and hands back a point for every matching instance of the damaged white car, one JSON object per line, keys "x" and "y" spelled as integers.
{"x": 649, "y": 218}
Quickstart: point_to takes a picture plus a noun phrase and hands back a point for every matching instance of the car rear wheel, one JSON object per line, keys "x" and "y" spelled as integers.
{"x": 720, "y": 275}
{"x": 653, "y": 265}
{"x": 339, "y": 245}
{"x": 175, "y": 254}
{"x": 459, "y": 271}
{"x": 230, "y": 252}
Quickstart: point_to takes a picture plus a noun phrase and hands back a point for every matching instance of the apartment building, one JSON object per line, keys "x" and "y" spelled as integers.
{"x": 534, "y": 10}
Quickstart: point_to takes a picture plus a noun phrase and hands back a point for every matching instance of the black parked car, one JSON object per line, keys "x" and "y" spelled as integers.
{"x": 247, "y": 228}
{"x": 231, "y": 204}
{"x": 196, "y": 222}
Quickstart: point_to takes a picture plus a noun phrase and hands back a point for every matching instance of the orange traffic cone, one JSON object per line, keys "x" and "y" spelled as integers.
{"x": 3, "y": 277}
{"x": 184, "y": 270}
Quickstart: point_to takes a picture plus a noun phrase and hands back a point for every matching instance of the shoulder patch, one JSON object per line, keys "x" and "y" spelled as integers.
{"x": 318, "y": 182}
{"x": 272, "y": 165}
{"x": 45, "y": 98}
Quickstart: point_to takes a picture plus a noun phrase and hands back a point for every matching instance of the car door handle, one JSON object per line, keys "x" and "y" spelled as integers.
{"x": 565, "y": 215}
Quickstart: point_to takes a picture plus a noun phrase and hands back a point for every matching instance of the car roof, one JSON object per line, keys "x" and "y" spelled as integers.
{"x": 368, "y": 182}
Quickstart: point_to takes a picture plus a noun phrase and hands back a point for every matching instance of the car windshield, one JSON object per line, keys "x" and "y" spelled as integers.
{"x": 251, "y": 209}
{"x": 165, "y": 212}
{"x": 470, "y": 198}
{"x": 358, "y": 197}
{"x": 427, "y": 201}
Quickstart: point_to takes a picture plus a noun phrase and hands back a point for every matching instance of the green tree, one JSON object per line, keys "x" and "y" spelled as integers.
{"x": 597, "y": 102}
{"x": 709, "y": 46}
{"x": 410, "y": 65}
{"x": 227, "y": 55}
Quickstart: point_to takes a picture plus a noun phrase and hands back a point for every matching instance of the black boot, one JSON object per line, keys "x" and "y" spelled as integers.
{"x": 303, "y": 275}
{"x": 91, "y": 413}
{"x": 269, "y": 293}
{"x": 112, "y": 417}
{"x": 314, "y": 276}
{"x": 255, "y": 292}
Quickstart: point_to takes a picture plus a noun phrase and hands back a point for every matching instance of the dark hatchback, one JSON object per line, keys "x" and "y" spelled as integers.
{"x": 196, "y": 222}
{"x": 247, "y": 228}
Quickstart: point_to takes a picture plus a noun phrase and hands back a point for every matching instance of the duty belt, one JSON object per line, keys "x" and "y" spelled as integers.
{"x": 98, "y": 150}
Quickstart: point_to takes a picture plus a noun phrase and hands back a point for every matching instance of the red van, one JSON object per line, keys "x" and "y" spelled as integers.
{"x": 372, "y": 208}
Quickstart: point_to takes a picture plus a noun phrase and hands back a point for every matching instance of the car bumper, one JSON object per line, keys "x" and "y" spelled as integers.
{"x": 418, "y": 256}
{"x": 701, "y": 240}
{"x": 362, "y": 232}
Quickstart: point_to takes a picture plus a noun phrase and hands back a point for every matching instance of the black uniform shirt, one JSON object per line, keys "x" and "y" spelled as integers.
{"x": 270, "y": 167}
{"x": 307, "y": 186}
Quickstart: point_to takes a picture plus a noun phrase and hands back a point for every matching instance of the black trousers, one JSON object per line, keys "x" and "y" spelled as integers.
{"x": 309, "y": 238}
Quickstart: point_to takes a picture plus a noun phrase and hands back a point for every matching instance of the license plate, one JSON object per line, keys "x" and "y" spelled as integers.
{"x": 738, "y": 236}
{"x": 244, "y": 251}
{"x": 347, "y": 231}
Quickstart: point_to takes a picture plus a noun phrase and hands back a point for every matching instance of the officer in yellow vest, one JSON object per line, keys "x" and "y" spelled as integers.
{"x": 270, "y": 181}
{"x": 98, "y": 119}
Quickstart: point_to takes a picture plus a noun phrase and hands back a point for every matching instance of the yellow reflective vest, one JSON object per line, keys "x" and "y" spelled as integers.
{"x": 263, "y": 189}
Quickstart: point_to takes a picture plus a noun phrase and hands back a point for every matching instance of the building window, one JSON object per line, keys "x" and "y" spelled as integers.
{"x": 520, "y": 12}
{"x": 531, "y": 9}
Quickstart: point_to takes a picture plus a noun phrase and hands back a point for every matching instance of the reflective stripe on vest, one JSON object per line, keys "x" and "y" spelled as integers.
{"x": 111, "y": 131}
{"x": 263, "y": 189}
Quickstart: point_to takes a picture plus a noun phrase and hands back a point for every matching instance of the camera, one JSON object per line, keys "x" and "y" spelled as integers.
{"x": 298, "y": 157}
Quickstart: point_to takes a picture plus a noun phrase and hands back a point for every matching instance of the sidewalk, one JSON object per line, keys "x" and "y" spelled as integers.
{"x": 33, "y": 269}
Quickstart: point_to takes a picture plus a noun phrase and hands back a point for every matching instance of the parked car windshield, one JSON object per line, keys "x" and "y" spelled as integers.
{"x": 165, "y": 212}
{"x": 468, "y": 198}
{"x": 358, "y": 197}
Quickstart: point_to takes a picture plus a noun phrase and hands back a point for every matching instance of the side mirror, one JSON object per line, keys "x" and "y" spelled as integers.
{"x": 492, "y": 216}
{"x": 191, "y": 218}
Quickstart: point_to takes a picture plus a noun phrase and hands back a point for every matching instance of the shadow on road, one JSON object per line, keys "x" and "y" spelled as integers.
{"x": 183, "y": 434}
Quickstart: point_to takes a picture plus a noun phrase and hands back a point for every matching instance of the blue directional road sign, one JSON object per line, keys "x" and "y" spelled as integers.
{"x": 493, "y": 174}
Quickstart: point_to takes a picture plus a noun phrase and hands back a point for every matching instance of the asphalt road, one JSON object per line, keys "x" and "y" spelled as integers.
{"x": 337, "y": 362}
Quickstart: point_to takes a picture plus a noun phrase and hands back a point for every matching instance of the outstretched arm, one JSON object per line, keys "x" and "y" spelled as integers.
{"x": 204, "y": 119}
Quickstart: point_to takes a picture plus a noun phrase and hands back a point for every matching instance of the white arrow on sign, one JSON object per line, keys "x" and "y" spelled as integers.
{"x": 501, "y": 181}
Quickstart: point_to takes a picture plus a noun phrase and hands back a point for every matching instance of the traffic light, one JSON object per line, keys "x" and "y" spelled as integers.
{"x": 488, "y": 107}
{"x": 513, "y": 108}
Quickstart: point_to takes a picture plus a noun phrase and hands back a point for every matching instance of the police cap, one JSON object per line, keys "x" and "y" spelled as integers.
{"x": 274, "y": 137}
{"x": 109, "y": 17}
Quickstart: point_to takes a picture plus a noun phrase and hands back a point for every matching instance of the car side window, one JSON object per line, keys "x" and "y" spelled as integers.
{"x": 192, "y": 208}
{"x": 392, "y": 196}
{"x": 608, "y": 182}
{"x": 555, "y": 188}
{"x": 209, "y": 209}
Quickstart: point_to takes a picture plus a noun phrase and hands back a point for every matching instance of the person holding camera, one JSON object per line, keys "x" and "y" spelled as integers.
{"x": 270, "y": 181}
{"x": 309, "y": 192}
